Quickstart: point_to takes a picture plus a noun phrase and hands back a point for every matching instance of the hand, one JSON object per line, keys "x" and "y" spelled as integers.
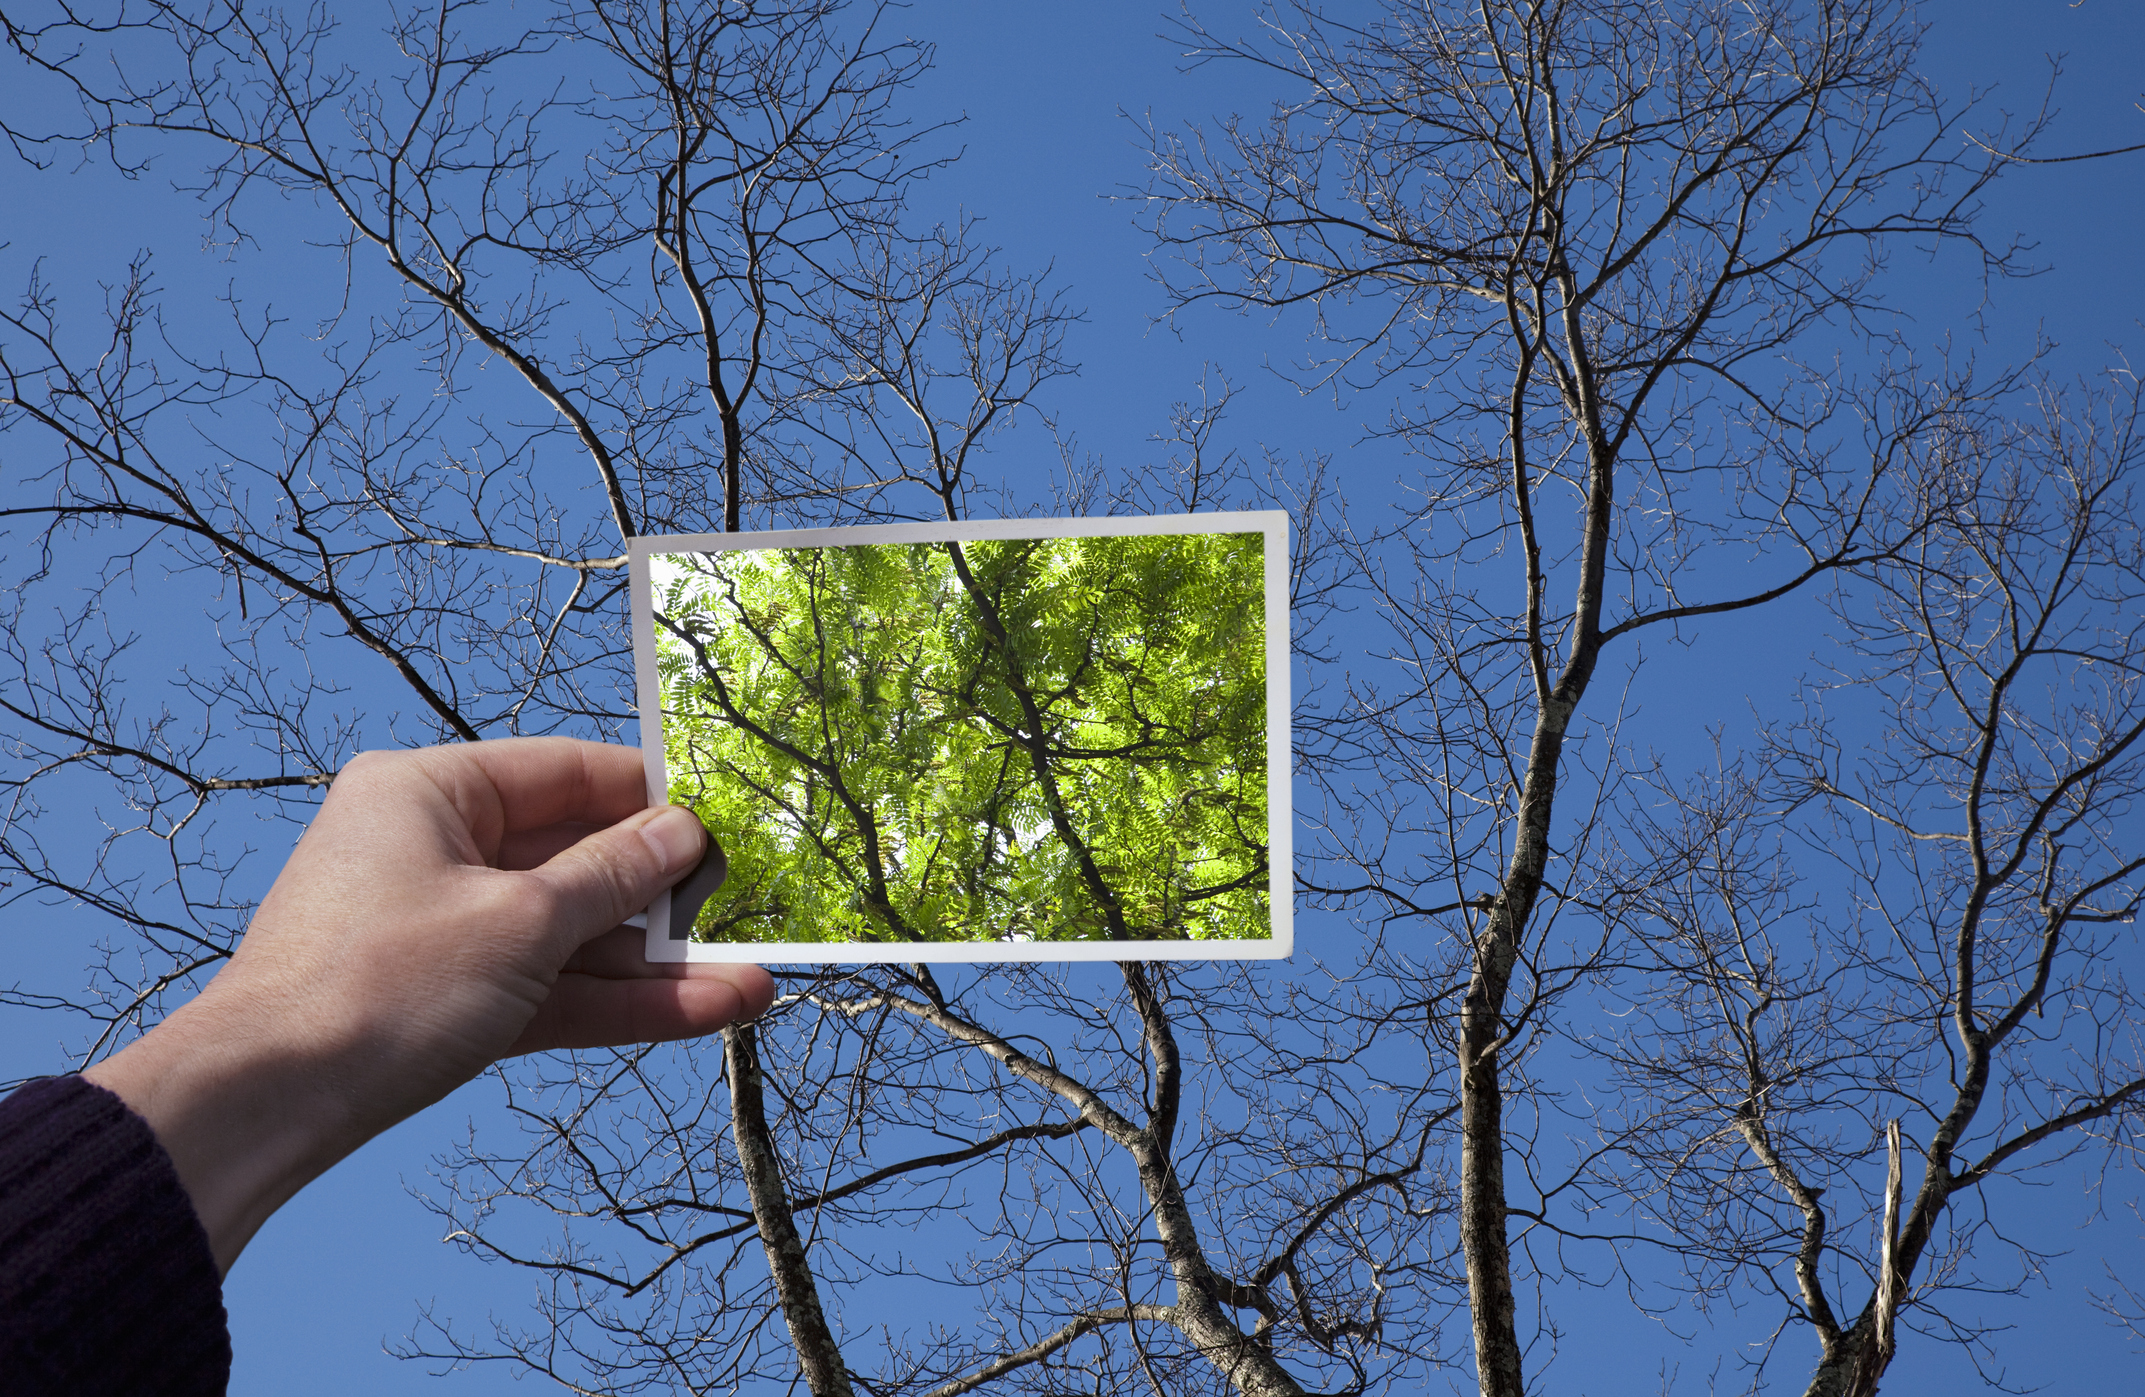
{"x": 447, "y": 907}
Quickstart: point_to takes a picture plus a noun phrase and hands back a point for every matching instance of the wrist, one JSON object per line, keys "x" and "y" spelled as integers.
{"x": 247, "y": 1122}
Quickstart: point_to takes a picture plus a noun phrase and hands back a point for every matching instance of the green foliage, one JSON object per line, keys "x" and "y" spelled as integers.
{"x": 1029, "y": 739}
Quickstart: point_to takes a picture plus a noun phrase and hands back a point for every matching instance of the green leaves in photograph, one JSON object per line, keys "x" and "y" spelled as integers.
{"x": 1016, "y": 740}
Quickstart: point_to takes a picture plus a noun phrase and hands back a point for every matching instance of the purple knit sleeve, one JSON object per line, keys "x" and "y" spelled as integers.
{"x": 107, "y": 1283}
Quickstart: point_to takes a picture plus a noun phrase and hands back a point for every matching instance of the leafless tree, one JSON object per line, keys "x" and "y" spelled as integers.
{"x": 633, "y": 269}
{"x": 1619, "y": 266}
{"x": 1831, "y": 1083}
{"x": 1160, "y": 1186}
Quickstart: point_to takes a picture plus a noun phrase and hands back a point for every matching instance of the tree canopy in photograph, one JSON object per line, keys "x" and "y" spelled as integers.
{"x": 1056, "y": 739}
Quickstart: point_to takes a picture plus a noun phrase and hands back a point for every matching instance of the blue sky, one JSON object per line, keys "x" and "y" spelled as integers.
{"x": 1048, "y": 93}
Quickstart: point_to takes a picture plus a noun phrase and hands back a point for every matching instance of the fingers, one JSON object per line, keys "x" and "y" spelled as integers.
{"x": 589, "y": 1011}
{"x": 544, "y": 781}
{"x": 610, "y": 874}
{"x": 508, "y": 802}
{"x": 533, "y": 848}
{"x": 622, "y": 954}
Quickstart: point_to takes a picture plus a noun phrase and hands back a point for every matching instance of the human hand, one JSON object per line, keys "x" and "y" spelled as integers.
{"x": 448, "y": 907}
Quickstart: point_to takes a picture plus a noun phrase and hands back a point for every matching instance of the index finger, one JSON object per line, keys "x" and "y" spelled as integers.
{"x": 542, "y": 781}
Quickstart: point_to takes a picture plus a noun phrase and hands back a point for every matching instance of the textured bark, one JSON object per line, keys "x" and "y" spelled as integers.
{"x": 1841, "y": 1361}
{"x": 1483, "y": 1239}
{"x": 819, "y": 1357}
{"x": 1484, "y": 1032}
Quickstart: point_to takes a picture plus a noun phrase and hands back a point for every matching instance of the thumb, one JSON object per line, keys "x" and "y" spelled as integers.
{"x": 608, "y": 876}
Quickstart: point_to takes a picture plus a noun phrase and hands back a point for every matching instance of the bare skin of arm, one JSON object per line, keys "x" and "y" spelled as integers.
{"x": 448, "y": 907}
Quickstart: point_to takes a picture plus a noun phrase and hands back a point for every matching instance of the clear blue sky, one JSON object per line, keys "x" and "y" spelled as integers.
{"x": 1043, "y": 87}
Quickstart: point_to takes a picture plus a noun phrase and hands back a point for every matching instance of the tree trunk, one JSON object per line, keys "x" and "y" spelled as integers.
{"x": 1483, "y": 1032}
{"x": 819, "y": 1357}
{"x": 1839, "y": 1371}
{"x": 1482, "y": 1200}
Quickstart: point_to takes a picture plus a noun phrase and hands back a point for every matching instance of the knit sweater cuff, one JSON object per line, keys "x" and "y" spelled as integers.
{"x": 107, "y": 1282}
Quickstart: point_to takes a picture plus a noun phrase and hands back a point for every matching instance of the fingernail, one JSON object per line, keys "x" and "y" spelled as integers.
{"x": 676, "y": 837}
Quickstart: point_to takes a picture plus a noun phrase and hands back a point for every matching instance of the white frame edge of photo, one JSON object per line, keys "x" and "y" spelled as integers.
{"x": 1273, "y": 523}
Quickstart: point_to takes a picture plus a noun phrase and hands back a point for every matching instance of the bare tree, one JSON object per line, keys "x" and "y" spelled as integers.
{"x": 638, "y": 268}
{"x": 1165, "y": 1186}
{"x": 1601, "y": 254}
{"x": 1831, "y": 1082}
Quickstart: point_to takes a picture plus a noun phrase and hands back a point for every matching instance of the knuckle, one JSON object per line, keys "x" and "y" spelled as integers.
{"x": 629, "y": 865}
{"x": 612, "y": 874}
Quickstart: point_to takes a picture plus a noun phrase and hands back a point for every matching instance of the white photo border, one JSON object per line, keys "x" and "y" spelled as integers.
{"x": 1280, "y": 816}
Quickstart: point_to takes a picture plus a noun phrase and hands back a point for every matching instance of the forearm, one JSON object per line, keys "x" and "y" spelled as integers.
{"x": 247, "y": 1121}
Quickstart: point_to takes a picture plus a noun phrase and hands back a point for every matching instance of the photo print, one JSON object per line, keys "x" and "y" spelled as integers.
{"x": 1060, "y": 739}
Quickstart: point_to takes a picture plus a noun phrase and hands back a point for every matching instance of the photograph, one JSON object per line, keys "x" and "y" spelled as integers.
{"x": 995, "y": 740}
